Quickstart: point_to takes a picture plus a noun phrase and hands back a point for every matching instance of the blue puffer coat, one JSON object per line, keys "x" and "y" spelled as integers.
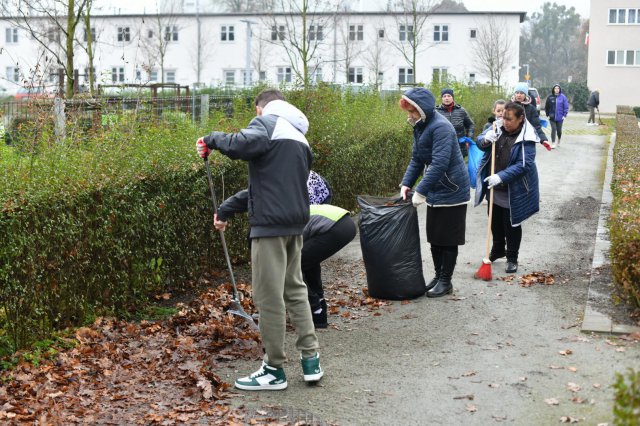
{"x": 436, "y": 154}
{"x": 520, "y": 176}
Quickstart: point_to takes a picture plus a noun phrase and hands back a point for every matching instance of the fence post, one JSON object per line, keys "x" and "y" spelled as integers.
{"x": 59, "y": 119}
{"x": 204, "y": 109}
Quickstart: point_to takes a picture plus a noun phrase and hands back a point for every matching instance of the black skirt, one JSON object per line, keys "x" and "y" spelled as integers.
{"x": 446, "y": 225}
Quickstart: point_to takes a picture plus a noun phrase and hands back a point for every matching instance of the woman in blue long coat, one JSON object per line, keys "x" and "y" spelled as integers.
{"x": 516, "y": 195}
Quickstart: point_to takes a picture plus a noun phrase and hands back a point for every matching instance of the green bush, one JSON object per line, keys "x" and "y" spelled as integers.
{"x": 625, "y": 209}
{"x": 636, "y": 111}
{"x": 626, "y": 407}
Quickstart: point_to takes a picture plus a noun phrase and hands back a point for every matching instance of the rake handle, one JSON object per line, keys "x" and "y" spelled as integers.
{"x": 224, "y": 243}
{"x": 493, "y": 168}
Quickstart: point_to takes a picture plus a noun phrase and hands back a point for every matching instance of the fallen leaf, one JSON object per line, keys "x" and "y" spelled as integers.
{"x": 568, "y": 419}
{"x": 552, "y": 401}
{"x": 597, "y": 385}
{"x": 469, "y": 374}
{"x": 565, "y": 352}
{"x": 572, "y": 369}
{"x": 470, "y": 397}
{"x": 494, "y": 385}
{"x": 573, "y": 387}
{"x": 471, "y": 408}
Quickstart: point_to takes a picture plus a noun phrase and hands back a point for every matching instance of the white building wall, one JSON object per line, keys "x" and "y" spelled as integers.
{"x": 220, "y": 57}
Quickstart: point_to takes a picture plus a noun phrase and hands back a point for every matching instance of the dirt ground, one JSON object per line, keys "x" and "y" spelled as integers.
{"x": 493, "y": 352}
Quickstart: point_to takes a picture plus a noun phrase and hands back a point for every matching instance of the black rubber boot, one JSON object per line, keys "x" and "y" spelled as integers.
{"x": 444, "y": 285}
{"x": 320, "y": 318}
{"x": 436, "y": 255}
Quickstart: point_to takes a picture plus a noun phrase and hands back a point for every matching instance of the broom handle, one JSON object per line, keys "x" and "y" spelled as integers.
{"x": 493, "y": 168}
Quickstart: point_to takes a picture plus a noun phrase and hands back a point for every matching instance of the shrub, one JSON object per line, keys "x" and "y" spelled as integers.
{"x": 625, "y": 209}
{"x": 626, "y": 407}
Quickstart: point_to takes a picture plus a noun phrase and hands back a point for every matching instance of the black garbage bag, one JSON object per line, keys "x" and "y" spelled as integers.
{"x": 390, "y": 242}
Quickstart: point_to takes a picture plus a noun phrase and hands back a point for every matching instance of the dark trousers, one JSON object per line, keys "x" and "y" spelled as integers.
{"x": 320, "y": 247}
{"x": 556, "y": 129}
{"x": 503, "y": 232}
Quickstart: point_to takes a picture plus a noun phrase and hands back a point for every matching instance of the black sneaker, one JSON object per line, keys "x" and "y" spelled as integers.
{"x": 320, "y": 316}
{"x": 512, "y": 267}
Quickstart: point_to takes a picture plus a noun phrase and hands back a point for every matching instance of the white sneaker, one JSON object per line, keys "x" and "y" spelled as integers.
{"x": 554, "y": 145}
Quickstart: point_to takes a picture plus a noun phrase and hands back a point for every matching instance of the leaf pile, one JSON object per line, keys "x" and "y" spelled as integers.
{"x": 147, "y": 373}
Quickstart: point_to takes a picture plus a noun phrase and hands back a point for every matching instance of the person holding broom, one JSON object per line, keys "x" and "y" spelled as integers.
{"x": 514, "y": 181}
{"x": 444, "y": 186}
{"x": 279, "y": 157}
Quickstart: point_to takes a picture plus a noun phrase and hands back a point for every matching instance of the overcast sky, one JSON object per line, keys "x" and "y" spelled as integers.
{"x": 529, "y": 6}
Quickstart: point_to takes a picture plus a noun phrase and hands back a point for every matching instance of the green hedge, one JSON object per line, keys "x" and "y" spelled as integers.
{"x": 98, "y": 225}
{"x": 625, "y": 210}
{"x": 626, "y": 407}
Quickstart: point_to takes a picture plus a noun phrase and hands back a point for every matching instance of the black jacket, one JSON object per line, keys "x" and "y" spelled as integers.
{"x": 594, "y": 99}
{"x": 460, "y": 119}
{"x": 279, "y": 160}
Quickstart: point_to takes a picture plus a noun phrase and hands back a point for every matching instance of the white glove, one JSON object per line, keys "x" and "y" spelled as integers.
{"x": 490, "y": 136}
{"x": 493, "y": 180}
{"x": 403, "y": 192}
{"x": 418, "y": 199}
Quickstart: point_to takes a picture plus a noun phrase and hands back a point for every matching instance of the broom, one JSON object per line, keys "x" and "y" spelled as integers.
{"x": 484, "y": 272}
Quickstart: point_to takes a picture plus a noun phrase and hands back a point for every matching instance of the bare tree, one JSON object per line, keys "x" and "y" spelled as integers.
{"x": 156, "y": 37}
{"x": 493, "y": 49}
{"x": 410, "y": 18}
{"x": 300, "y": 29}
{"x": 89, "y": 39}
{"x": 260, "y": 54}
{"x": 375, "y": 56}
{"x": 248, "y": 5}
{"x": 53, "y": 25}
{"x": 351, "y": 38}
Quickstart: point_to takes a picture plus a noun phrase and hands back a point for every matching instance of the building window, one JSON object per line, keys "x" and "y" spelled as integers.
{"x": 124, "y": 34}
{"x": 381, "y": 33}
{"x": 473, "y": 34}
{"x": 153, "y": 75}
{"x": 623, "y": 57}
{"x": 439, "y": 75}
{"x": 117, "y": 75}
{"x": 227, "y": 33}
{"x": 380, "y": 78}
{"x": 85, "y": 36}
{"x": 171, "y": 33}
{"x": 13, "y": 74}
{"x": 316, "y": 74}
{"x": 53, "y": 35}
{"x": 277, "y": 32}
{"x": 284, "y": 74}
{"x": 11, "y": 35}
{"x": 405, "y": 76}
{"x": 170, "y": 76}
{"x": 624, "y": 16}
{"x": 138, "y": 74}
{"x": 472, "y": 77}
{"x": 262, "y": 76}
{"x": 355, "y": 75}
{"x": 229, "y": 77}
{"x": 315, "y": 32}
{"x": 150, "y": 34}
{"x": 356, "y": 32}
{"x": 440, "y": 33}
{"x": 87, "y": 76}
{"x": 406, "y": 32}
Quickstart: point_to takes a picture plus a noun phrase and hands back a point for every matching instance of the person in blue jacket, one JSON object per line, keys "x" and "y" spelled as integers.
{"x": 516, "y": 196}
{"x": 444, "y": 186}
{"x": 556, "y": 107}
{"x": 329, "y": 229}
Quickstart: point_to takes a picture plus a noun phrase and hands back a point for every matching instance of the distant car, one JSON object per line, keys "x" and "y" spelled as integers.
{"x": 25, "y": 93}
{"x": 535, "y": 97}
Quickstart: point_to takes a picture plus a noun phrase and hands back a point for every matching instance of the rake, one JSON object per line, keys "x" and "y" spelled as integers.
{"x": 235, "y": 306}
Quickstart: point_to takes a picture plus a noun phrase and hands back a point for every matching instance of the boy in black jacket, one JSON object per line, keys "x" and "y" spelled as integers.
{"x": 279, "y": 160}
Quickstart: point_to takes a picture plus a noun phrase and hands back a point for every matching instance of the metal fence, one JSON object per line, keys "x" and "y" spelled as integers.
{"x": 38, "y": 115}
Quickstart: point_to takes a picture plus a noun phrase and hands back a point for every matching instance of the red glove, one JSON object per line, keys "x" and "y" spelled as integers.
{"x": 546, "y": 145}
{"x": 203, "y": 149}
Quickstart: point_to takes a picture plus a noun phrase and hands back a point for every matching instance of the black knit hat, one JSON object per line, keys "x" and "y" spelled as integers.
{"x": 446, "y": 91}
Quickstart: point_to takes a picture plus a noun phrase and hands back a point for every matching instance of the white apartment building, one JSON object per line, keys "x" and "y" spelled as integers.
{"x": 614, "y": 52}
{"x": 350, "y": 48}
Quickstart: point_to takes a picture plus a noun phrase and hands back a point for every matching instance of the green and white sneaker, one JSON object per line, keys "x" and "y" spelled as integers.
{"x": 266, "y": 378}
{"x": 311, "y": 369}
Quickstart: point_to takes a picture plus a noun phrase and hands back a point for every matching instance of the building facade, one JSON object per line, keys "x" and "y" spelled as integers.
{"x": 240, "y": 49}
{"x": 614, "y": 52}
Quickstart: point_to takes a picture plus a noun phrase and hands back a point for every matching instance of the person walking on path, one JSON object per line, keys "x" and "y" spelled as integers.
{"x": 277, "y": 200}
{"x": 556, "y": 107}
{"x": 444, "y": 186}
{"x": 593, "y": 103}
{"x": 330, "y": 228}
{"x": 459, "y": 117}
{"x": 516, "y": 195}
{"x": 522, "y": 97}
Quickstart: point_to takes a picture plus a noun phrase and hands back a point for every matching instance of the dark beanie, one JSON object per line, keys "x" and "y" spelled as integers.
{"x": 446, "y": 91}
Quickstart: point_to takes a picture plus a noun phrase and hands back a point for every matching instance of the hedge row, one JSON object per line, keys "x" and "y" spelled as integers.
{"x": 625, "y": 210}
{"x": 97, "y": 226}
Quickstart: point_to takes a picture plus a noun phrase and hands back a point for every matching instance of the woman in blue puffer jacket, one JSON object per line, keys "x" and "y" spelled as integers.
{"x": 444, "y": 185}
{"x": 516, "y": 195}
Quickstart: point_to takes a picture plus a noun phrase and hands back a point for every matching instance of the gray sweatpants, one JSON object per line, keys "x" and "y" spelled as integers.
{"x": 278, "y": 288}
